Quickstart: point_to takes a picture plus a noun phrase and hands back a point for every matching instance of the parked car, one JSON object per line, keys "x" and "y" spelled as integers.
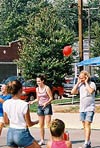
{"x": 96, "y": 80}
{"x": 68, "y": 87}
{"x": 29, "y": 90}
{"x": 11, "y": 78}
{"x": 57, "y": 92}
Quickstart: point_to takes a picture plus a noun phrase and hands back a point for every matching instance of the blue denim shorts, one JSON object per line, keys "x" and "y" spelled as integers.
{"x": 44, "y": 111}
{"x": 19, "y": 137}
{"x": 87, "y": 116}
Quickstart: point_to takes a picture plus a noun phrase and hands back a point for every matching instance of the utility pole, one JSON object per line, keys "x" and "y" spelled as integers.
{"x": 89, "y": 36}
{"x": 88, "y": 9}
{"x": 80, "y": 27}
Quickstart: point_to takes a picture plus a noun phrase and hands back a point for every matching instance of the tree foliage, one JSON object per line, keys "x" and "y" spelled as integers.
{"x": 45, "y": 27}
{"x": 96, "y": 44}
{"x": 13, "y": 20}
{"x": 43, "y": 44}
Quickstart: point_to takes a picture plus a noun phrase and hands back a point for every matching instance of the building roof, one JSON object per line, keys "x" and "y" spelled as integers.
{"x": 10, "y": 52}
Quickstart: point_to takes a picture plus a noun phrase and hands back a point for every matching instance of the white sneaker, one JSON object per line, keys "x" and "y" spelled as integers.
{"x": 41, "y": 142}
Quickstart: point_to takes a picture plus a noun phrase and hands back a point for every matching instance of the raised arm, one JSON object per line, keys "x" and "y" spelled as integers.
{"x": 88, "y": 87}
{"x": 75, "y": 88}
{"x": 1, "y": 100}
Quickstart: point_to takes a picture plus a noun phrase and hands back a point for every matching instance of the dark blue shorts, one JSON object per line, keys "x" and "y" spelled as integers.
{"x": 19, "y": 137}
{"x": 44, "y": 111}
{"x": 87, "y": 116}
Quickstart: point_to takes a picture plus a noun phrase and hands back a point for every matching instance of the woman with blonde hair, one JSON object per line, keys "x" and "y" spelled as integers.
{"x": 86, "y": 89}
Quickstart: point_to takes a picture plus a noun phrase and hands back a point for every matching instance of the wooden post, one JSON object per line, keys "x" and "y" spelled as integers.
{"x": 80, "y": 27}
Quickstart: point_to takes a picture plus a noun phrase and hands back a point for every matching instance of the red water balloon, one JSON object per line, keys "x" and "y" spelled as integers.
{"x": 66, "y": 136}
{"x": 67, "y": 51}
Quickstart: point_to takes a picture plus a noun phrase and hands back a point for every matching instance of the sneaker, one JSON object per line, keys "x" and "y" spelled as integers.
{"x": 41, "y": 142}
{"x": 87, "y": 146}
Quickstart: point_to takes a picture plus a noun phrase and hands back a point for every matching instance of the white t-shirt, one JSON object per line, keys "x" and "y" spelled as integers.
{"x": 87, "y": 100}
{"x": 15, "y": 110}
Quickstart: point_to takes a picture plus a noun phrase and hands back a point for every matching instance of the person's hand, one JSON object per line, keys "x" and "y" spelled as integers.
{"x": 86, "y": 80}
{"x": 44, "y": 105}
{"x": 30, "y": 102}
{"x": 1, "y": 100}
{"x": 79, "y": 81}
{"x": 37, "y": 121}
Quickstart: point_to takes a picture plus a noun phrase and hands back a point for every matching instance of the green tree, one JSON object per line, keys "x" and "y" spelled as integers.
{"x": 95, "y": 49}
{"x": 95, "y": 28}
{"x": 43, "y": 34}
{"x": 13, "y": 19}
{"x": 46, "y": 37}
{"x": 96, "y": 43}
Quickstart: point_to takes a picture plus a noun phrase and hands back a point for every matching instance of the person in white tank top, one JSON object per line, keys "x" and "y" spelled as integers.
{"x": 44, "y": 98}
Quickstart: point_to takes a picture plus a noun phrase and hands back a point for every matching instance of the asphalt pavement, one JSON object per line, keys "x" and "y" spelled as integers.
{"x": 73, "y": 125}
{"x": 76, "y": 137}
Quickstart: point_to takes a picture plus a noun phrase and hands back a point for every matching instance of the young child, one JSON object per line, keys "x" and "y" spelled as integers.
{"x": 17, "y": 115}
{"x": 57, "y": 130}
{"x": 3, "y": 97}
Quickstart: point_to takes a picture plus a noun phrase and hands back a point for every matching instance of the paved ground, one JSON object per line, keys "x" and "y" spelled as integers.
{"x": 72, "y": 119}
{"x": 76, "y": 136}
{"x": 73, "y": 125}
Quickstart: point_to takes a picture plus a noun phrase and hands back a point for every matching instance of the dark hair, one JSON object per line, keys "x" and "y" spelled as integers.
{"x": 57, "y": 127}
{"x": 13, "y": 87}
{"x": 42, "y": 77}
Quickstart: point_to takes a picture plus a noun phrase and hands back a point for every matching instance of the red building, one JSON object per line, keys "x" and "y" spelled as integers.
{"x": 7, "y": 56}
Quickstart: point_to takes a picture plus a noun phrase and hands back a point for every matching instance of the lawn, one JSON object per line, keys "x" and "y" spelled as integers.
{"x": 74, "y": 108}
{"x": 33, "y": 107}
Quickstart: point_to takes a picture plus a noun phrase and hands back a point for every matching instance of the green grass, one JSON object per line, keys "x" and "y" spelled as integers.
{"x": 33, "y": 107}
{"x": 64, "y": 101}
{"x": 97, "y": 96}
{"x": 70, "y": 109}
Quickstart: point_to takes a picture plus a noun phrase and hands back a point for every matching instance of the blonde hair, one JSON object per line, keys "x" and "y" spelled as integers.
{"x": 85, "y": 73}
{"x": 57, "y": 127}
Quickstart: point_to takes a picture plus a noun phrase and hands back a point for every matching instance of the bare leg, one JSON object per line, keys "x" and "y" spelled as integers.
{"x": 1, "y": 127}
{"x": 34, "y": 145}
{"x": 48, "y": 119}
{"x": 87, "y": 130}
{"x": 42, "y": 123}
